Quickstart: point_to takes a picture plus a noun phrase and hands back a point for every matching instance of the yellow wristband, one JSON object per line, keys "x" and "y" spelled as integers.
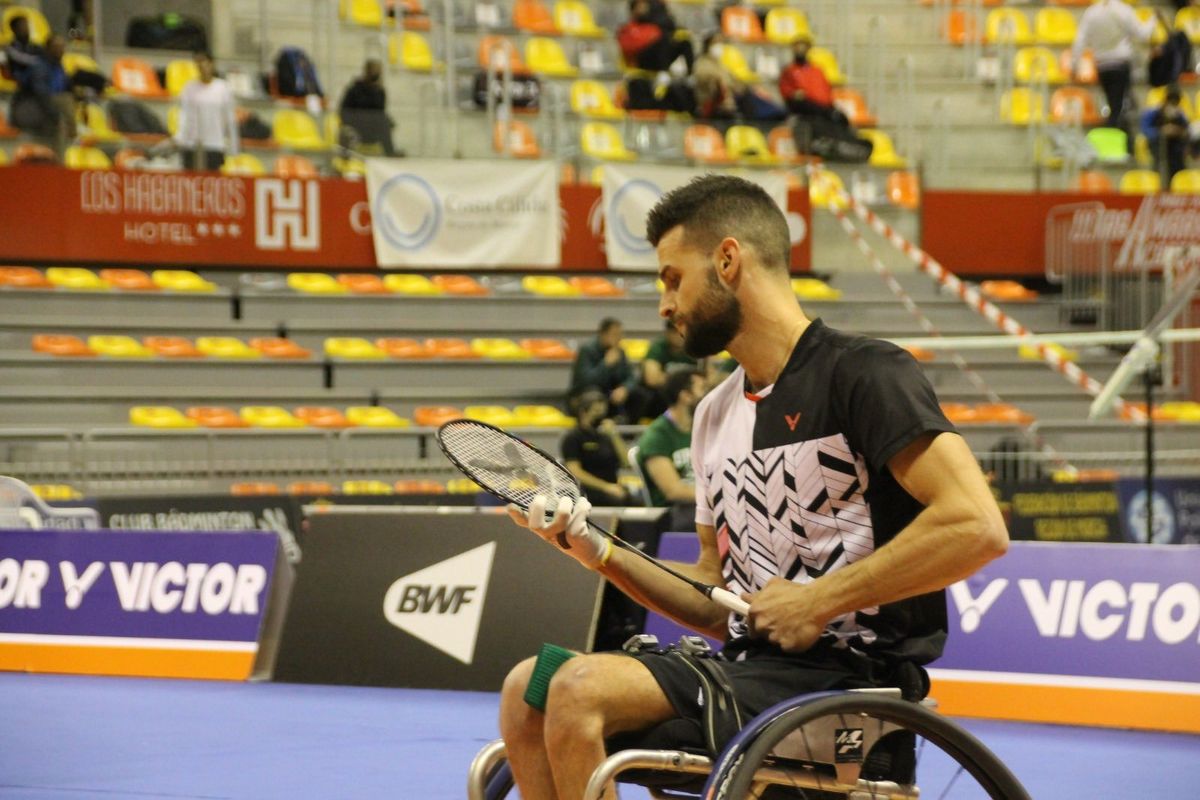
{"x": 608, "y": 551}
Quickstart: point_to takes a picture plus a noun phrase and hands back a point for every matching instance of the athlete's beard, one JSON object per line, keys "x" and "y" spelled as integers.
{"x": 714, "y": 323}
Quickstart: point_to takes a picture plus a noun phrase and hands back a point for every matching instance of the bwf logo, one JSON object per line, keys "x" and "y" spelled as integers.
{"x": 287, "y": 214}
{"x": 442, "y": 604}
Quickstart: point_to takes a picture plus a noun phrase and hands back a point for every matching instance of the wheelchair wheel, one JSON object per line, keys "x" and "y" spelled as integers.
{"x": 944, "y": 752}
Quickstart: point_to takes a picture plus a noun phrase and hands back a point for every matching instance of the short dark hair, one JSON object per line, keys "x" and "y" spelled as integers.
{"x": 1173, "y": 95}
{"x": 18, "y": 19}
{"x": 677, "y": 383}
{"x": 608, "y": 323}
{"x": 712, "y": 207}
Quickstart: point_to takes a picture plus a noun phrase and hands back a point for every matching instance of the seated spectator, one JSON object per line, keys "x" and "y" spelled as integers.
{"x": 666, "y": 355}
{"x": 44, "y": 104}
{"x": 648, "y": 41}
{"x": 594, "y": 452}
{"x": 1166, "y": 130}
{"x": 721, "y": 96}
{"x": 664, "y": 449}
{"x": 601, "y": 364}
{"x": 363, "y": 116}
{"x": 804, "y": 88}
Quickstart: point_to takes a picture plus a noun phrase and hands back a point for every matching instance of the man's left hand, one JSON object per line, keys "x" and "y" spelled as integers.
{"x": 784, "y": 613}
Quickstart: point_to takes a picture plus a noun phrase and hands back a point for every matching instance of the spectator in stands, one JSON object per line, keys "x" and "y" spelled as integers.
{"x": 664, "y": 449}
{"x": 364, "y": 120}
{"x": 207, "y": 120}
{"x": 804, "y": 88}
{"x": 719, "y": 95}
{"x": 1166, "y": 130}
{"x": 601, "y": 364}
{"x": 666, "y": 355}
{"x": 1109, "y": 29}
{"x": 648, "y": 39}
{"x": 594, "y": 452}
{"x": 43, "y": 104}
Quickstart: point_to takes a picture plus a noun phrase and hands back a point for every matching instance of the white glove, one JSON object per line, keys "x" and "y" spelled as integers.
{"x": 567, "y": 529}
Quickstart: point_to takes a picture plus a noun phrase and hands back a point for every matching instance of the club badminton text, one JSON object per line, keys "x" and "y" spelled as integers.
{"x": 167, "y": 588}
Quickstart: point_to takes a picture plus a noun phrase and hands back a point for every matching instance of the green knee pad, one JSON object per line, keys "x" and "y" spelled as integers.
{"x": 549, "y": 659}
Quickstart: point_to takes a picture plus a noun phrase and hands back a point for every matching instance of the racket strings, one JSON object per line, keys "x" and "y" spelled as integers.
{"x": 504, "y": 465}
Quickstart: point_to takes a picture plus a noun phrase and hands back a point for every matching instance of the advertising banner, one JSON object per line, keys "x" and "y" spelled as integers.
{"x": 630, "y": 192}
{"x": 442, "y": 599}
{"x": 148, "y": 603}
{"x": 1061, "y": 512}
{"x": 1077, "y": 633}
{"x": 466, "y": 214}
{"x": 1176, "y": 509}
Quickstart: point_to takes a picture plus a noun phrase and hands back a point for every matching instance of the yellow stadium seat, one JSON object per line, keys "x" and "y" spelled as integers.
{"x": 541, "y": 417}
{"x": 181, "y": 280}
{"x": 270, "y": 417}
{"x": 410, "y": 284}
{"x": 574, "y": 18}
{"x": 225, "y": 347}
{"x": 294, "y": 128}
{"x": 734, "y": 60}
{"x": 180, "y": 73}
{"x": 826, "y": 190}
{"x": 1022, "y": 106}
{"x": 548, "y": 286}
{"x": 592, "y": 99}
{"x": 1158, "y": 94}
{"x": 827, "y": 62}
{"x": 352, "y": 347}
{"x": 3, "y": 157}
{"x": 1037, "y": 64}
{"x": 601, "y": 140}
{"x": 411, "y": 50}
{"x": 77, "y": 278}
{"x": 1054, "y": 26}
{"x": 1160, "y": 33}
{"x": 315, "y": 283}
{"x": 375, "y": 417}
{"x": 786, "y": 25}
{"x": 498, "y": 348}
{"x": 1140, "y": 181}
{"x": 1187, "y": 19}
{"x": 246, "y": 164}
{"x": 173, "y": 120}
{"x": 814, "y": 289}
{"x": 78, "y": 157}
{"x": 1186, "y": 181}
{"x": 545, "y": 56}
{"x": 1182, "y": 410}
{"x": 368, "y": 13}
{"x": 56, "y": 491}
{"x": 499, "y": 416}
{"x": 747, "y": 143}
{"x": 1030, "y": 352}
{"x": 97, "y": 124}
{"x": 462, "y": 486}
{"x": 635, "y": 349}
{"x": 1007, "y": 26}
{"x": 39, "y": 27}
{"x": 160, "y": 417}
{"x": 883, "y": 151}
{"x": 118, "y": 346}
{"x": 366, "y": 487}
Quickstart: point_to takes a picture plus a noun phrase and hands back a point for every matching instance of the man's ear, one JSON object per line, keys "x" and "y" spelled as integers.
{"x": 729, "y": 260}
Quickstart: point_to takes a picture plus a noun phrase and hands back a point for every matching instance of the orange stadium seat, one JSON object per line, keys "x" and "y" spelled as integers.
{"x": 741, "y": 23}
{"x": 403, "y": 348}
{"x": 433, "y": 416}
{"x": 533, "y": 16}
{"x": 294, "y": 166}
{"x": 276, "y": 347}
{"x": 135, "y": 77}
{"x": 495, "y": 49}
{"x": 216, "y": 417}
{"x": 322, "y": 417}
{"x": 547, "y": 348}
{"x": 252, "y": 488}
{"x": 450, "y": 348}
{"x": 419, "y": 486}
{"x": 515, "y": 137}
{"x": 596, "y": 286}
{"x": 960, "y": 28}
{"x": 1007, "y": 291}
{"x": 310, "y": 487}
{"x": 172, "y": 346}
{"x": 851, "y": 103}
{"x": 920, "y": 353}
{"x": 705, "y": 144}
{"x": 904, "y": 189}
{"x": 782, "y": 141}
{"x": 1094, "y": 182}
{"x": 463, "y": 285}
{"x": 60, "y": 345}
{"x": 1074, "y": 104}
{"x": 363, "y": 283}
{"x": 23, "y": 278}
{"x": 128, "y": 279}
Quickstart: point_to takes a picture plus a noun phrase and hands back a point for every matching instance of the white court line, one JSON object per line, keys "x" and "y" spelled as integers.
{"x": 1069, "y": 681}
{"x": 126, "y": 641}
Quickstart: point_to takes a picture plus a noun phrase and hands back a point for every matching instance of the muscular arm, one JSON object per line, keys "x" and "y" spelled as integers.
{"x": 958, "y": 532}
{"x": 666, "y": 478}
{"x": 669, "y": 596}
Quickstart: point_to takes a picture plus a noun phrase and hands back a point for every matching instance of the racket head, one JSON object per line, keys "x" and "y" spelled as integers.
{"x": 506, "y": 466}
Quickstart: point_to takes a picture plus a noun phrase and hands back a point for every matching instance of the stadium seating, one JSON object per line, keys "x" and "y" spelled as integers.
{"x": 601, "y": 140}
{"x": 269, "y": 417}
{"x": 226, "y": 347}
{"x": 160, "y": 417}
{"x": 591, "y": 99}
{"x": 322, "y": 417}
{"x": 826, "y": 190}
{"x": 410, "y": 284}
{"x": 450, "y": 348}
{"x": 495, "y": 51}
{"x": 315, "y": 283}
{"x": 39, "y": 27}
{"x": 135, "y": 280}
{"x": 498, "y": 348}
{"x": 705, "y": 144}
{"x": 276, "y": 347}
{"x": 516, "y": 138}
{"x": 403, "y": 348}
{"x": 368, "y": 13}
{"x": 1037, "y": 65}
{"x": 181, "y": 280}
{"x": 1140, "y": 181}
{"x": 433, "y": 416}
{"x": 532, "y": 16}
{"x": 904, "y": 189}
{"x": 748, "y": 144}
{"x": 1054, "y": 26}
{"x": 246, "y": 164}
{"x": 366, "y": 487}
{"x": 1094, "y": 182}
{"x": 785, "y": 25}
{"x": 960, "y": 28}
{"x": 1186, "y": 181}
{"x": 782, "y": 142}
{"x": 814, "y": 289}
{"x": 296, "y": 129}
{"x": 827, "y": 62}
{"x": 851, "y": 103}
{"x": 1187, "y": 19}
{"x": 547, "y": 349}
{"x": 574, "y": 18}
{"x": 363, "y": 283}
{"x": 461, "y": 285}
{"x": 216, "y": 417}
{"x": 97, "y": 125}
{"x": 548, "y": 286}
{"x": 290, "y": 165}
{"x": 61, "y": 345}
{"x": 595, "y": 286}
{"x": 1072, "y": 104}
{"x": 1022, "y": 106}
{"x": 741, "y": 24}
{"x": 734, "y": 60}
{"x": 493, "y": 415}
{"x": 78, "y": 157}
{"x": 537, "y": 416}
{"x": 1111, "y": 145}
{"x": 136, "y": 78}
{"x": 411, "y": 50}
{"x": 76, "y": 278}
{"x": 33, "y": 153}
{"x": 635, "y": 349}
{"x": 375, "y": 417}
{"x": 172, "y": 347}
{"x": 352, "y": 347}
{"x": 180, "y": 73}
{"x": 883, "y": 151}
{"x": 1007, "y": 26}
{"x": 118, "y": 346}
{"x": 23, "y": 278}
{"x": 545, "y": 56}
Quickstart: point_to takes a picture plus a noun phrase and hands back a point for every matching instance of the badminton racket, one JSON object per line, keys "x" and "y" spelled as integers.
{"x": 516, "y": 472}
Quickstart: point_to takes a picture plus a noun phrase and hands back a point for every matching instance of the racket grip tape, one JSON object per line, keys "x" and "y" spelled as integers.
{"x": 549, "y": 658}
{"x": 729, "y": 600}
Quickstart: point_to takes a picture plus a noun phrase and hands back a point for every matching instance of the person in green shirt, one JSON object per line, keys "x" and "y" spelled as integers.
{"x": 664, "y": 449}
{"x": 666, "y": 355}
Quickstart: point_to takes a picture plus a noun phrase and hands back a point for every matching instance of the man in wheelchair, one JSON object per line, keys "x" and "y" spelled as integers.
{"x": 832, "y": 495}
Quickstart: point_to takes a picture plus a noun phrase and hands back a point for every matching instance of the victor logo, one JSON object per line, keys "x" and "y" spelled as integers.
{"x": 442, "y": 604}
{"x": 792, "y": 420}
{"x": 971, "y": 609}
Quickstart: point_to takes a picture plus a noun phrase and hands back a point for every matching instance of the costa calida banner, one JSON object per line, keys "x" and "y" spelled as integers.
{"x": 630, "y": 192}
{"x": 431, "y": 213}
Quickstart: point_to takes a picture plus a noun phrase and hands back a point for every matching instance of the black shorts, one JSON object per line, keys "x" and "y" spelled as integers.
{"x": 764, "y": 677}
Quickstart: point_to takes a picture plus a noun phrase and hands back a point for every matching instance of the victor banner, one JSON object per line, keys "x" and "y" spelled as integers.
{"x": 628, "y": 194}
{"x": 152, "y": 603}
{"x": 466, "y": 214}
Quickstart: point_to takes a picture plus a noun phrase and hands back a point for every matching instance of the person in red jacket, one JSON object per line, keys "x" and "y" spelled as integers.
{"x": 648, "y": 41}
{"x": 803, "y": 87}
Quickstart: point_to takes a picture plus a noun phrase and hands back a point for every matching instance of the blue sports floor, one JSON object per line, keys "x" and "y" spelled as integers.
{"x": 82, "y": 737}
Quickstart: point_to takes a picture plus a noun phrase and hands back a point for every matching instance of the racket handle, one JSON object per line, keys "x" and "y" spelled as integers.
{"x": 729, "y": 600}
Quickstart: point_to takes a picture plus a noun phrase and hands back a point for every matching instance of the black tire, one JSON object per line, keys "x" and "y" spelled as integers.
{"x": 733, "y": 775}
{"x": 499, "y": 781}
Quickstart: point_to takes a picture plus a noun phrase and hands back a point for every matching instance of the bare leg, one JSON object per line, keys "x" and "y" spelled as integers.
{"x": 592, "y": 697}
{"x": 524, "y": 738}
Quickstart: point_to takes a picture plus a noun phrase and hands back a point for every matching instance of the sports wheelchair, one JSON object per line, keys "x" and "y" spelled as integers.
{"x": 815, "y": 747}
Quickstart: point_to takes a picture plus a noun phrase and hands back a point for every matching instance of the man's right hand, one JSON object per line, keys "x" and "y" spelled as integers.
{"x": 612, "y": 356}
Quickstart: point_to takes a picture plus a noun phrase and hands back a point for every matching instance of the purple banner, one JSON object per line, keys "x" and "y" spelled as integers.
{"x": 146, "y": 584}
{"x": 684, "y": 547}
{"x": 1176, "y": 509}
{"x": 1103, "y": 610}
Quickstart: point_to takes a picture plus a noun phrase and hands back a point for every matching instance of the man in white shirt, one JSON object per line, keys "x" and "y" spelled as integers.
{"x": 1109, "y": 28}
{"x": 207, "y": 124}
